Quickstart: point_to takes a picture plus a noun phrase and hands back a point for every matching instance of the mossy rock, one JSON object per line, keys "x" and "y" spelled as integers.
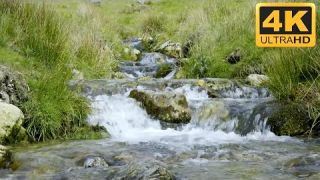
{"x": 163, "y": 71}
{"x": 291, "y": 119}
{"x": 11, "y": 119}
{"x": 13, "y": 87}
{"x": 5, "y": 157}
{"x": 167, "y": 107}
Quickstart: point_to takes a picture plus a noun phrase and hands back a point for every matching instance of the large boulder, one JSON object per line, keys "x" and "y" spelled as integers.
{"x": 13, "y": 88}
{"x": 165, "y": 106}
{"x": 5, "y": 157}
{"x": 11, "y": 130}
{"x": 171, "y": 49}
{"x": 290, "y": 119}
{"x": 257, "y": 79}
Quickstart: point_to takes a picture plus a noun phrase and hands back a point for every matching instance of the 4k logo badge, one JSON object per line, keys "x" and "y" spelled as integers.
{"x": 285, "y": 25}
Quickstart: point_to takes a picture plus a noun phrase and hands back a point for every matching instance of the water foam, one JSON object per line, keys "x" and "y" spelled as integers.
{"x": 126, "y": 121}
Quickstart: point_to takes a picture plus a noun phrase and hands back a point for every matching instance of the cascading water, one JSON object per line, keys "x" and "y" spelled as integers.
{"x": 227, "y": 137}
{"x": 214, "y": 121}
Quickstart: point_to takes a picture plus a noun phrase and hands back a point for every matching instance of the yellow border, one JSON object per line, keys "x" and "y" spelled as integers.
{"x": 314, "y": 24}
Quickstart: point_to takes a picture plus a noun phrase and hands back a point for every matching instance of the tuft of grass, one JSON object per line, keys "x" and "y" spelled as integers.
{"x": 53, "y": 111}
{"x": 153, "y": 24}
{"x": 40, "y": 32}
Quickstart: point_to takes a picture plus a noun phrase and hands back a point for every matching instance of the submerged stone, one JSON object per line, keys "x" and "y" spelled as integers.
{"x": 94, "y": 162}
{"x": 165, "y": 106}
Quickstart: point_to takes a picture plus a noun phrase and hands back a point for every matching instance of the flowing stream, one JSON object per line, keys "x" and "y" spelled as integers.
{"x": 227, "y": 137}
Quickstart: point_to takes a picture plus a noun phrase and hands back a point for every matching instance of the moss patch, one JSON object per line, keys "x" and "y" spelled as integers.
{"x": 163, "y": 71}
{"x": 291, "y": 119}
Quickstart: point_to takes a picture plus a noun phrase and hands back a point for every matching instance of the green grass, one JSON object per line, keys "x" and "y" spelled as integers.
{"x": 38, "y": 42}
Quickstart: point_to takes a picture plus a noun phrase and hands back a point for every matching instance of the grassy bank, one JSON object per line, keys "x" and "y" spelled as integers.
{"x": 39, "y": 42}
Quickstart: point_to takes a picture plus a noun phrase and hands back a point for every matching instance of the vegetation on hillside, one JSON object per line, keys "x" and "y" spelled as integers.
{"x": 39, "y": 43}
{"x": 46, "y": 40}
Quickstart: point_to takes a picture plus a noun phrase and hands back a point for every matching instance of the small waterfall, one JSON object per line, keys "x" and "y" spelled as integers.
{"x": 148, "y": 66}
{"x": 214, "y": 121}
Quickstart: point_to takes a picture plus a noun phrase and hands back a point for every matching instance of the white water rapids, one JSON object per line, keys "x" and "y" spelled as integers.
{"x": 126, "y": 121}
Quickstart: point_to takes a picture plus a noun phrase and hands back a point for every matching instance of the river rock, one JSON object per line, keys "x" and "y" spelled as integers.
{"x": 159, "y": 173}
{"x": 171, "y": 49}
{"x": 234, "y": 57}
{"x": 119, "y": 75}
{"x": 213, "y": 110}
{"x": 11, "y": 129}
{"x": 303, "y": 166}
{"x": 13, "y": 88}
{"x": 5, "y": 157}
{"x": 150, "y": 172}
{"x": 132, "y": 54}
{"x": 94, "y": 162}
{"x": 257, "y": 79}
{"x": 290, "y": 119}
{"x": 165, "y": 106}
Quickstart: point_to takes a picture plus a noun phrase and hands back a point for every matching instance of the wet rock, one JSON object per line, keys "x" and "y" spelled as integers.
{"x": 213, "y": 110}
{"x": 150, "y": 172}
{"x": 290, "y": 119}
{"x": 201, "y": 83}
{"x": 94, "y": 162}
{"x": 5, "y": 157}
{"x": 11, "y": 119}
{"x": 234, "y": 57}
{"x": 119, "y": 75}
{"x": 303, "y": 166}
{"x": 13, "y": 88}
{"x": 159, "y": 173}
{"x": 171, "y": 49}
{"x": 132, "y": 54}
{"x": 165, "y": 106}
{"x": 215, "y": 87}
{"x": 257, "y": 79}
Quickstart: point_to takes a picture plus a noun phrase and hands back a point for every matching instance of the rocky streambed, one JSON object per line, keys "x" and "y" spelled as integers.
{"x": 166, "y": 128}
{"x": 226, "y": 137}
